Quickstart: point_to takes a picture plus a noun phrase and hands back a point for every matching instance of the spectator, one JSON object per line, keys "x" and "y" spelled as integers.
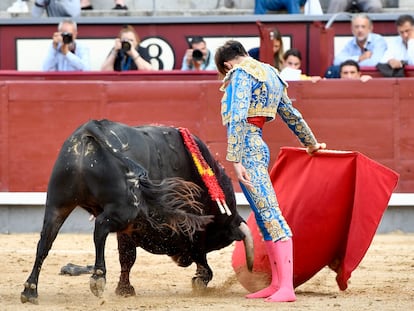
{"x": 19, "y": 6}
{"x": 278, "y": 50}
{"x": 366, "y": 48}
{"x": 56, "y": 8}
{"x": 292, "y": 61}
{"x": 401, "y": 50}
{"x": 368, "y": 6}
{"x": 350, "y": 69}
{"x": 65, "y": 53}
{"x": 127, "y": 54}
{"x": 198, "y": 56}
{"x": 119, "y": 5}
{"x": 291, "y": 6}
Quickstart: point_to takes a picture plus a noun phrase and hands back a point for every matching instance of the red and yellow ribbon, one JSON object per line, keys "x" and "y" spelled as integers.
{"x": 205, "y": 171}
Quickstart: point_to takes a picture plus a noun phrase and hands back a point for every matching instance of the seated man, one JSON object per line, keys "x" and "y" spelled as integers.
{"x": 350, "y": 69}
{"x": 401, "y": 50}
{"x": 366, "y": 48}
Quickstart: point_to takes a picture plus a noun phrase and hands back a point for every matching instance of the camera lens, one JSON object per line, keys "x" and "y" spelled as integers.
{"x": 197, "y": 55}
{"x": 125, "y": 46}
{"x": 67, "y": 37}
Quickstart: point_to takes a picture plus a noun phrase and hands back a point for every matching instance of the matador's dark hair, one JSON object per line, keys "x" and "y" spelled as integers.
{"x": 228, "y": 51}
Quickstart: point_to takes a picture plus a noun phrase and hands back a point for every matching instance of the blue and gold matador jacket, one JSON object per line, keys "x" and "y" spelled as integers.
{"x": 253, "y": 89}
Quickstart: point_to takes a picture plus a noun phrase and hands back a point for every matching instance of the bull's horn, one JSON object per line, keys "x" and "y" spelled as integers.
{"x": 248, "y": 245}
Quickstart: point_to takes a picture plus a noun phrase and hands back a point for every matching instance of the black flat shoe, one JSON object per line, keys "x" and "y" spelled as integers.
{"x": 120, "y": 7}
{"x": 88, "y": 7}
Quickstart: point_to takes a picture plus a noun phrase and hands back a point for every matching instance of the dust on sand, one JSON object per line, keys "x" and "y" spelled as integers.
{"x": 383, "y": 281}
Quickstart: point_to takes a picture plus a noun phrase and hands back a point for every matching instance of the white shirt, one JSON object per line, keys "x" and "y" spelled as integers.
{"x": 397, "y": 50}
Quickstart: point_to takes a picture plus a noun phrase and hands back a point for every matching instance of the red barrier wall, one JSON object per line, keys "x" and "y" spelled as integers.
{"x": 374, "y": 118}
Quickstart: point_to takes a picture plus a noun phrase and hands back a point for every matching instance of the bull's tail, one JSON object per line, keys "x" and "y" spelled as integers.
{"x": 173, "y": 198}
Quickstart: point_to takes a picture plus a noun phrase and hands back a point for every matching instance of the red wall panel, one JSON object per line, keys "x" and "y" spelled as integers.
{"x": 374, "y": 118}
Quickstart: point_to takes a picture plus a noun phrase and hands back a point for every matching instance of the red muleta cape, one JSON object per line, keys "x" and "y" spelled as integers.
{"x": 333, "y": 202}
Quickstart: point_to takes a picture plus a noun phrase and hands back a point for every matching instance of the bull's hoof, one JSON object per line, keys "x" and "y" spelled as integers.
{"x": 97, "y": 283}
{"x": 199, "y": 284}
{"x": 125, "y": 290}
{"x": 29, "y": 294}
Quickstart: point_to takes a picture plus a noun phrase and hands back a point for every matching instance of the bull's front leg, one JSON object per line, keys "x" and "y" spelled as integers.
{"x": 115, "y": 218}
{"x": 203, "y": 274}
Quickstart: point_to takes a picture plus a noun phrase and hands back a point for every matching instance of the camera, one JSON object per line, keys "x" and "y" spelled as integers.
{"x": 67, "y": 37}
{"x": 197, "y": 55}
{"x": 125, "y": 45}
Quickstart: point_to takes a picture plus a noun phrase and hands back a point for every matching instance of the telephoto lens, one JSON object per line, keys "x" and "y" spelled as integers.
{"x": 197, "y": 55}
{"x": 125, "y": 46}
{"x": 67, "y": 37}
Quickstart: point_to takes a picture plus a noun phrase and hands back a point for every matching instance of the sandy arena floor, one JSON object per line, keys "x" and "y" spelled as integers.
{"x": 383, "y": 281}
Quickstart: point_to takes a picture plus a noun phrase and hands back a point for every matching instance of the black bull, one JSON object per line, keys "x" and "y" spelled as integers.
{"x": 141, "y": 183}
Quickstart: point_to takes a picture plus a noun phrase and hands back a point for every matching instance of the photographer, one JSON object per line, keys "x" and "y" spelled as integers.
{"x": 127, "y": 54}
{"x": 65, "y": 53}
{"x": 198, "y": 57}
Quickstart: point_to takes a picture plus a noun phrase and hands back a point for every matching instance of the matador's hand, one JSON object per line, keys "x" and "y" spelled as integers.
{"x": 313, "y": 148}
{"x": 243, "y": 176}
